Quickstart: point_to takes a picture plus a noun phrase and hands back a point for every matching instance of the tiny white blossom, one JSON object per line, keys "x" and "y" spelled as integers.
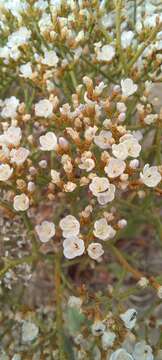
{"x": 10, "y": 106}
{"x": 50, "y": 58}
{"x": 21, "y": 202}
{"x": 48, "y": 141}
{"x": 142, "y": 351}
{"x": 107, "y": 196}
{"x": 13, "y": 136}
{"x": 44, "y": 108}
{"x": 150, "y": 176}
{"x": 73, "y": 247}
{"x": 87, "y": 164}
{"x": 128, "y": 146}
{"x": 75, "y": 301}
{"x": 121, "y": 354}
{"x": 159, "y": 292}
{"x": 19, "y": 155}
{"x": 99, "y": 185}
{"x": 45, "y": 231}
{"x": 95, "y": 251}
{"x": 104, "y": 139}
{"x": 55, "y": 175}
{"x": 128, "y": 87}
{"x": 108, "y": 339}
{"x": 102, "y": 230}
{"x": 150, "y": 119}
{"x": 129, "y": 318}
{"x": 70, "y": 186}
{"x": 5, "y": 172}
{"x": 29, "y": 331}
{"x": 126, "y": 38}
{"x": 115, "y": 168}
{"x": 26, "y": 70}
{"x": 70, "y": 226}
{"x": 143, "y": 282}
{"x": 106, "y": 53}
{"x": 98, "y": 328}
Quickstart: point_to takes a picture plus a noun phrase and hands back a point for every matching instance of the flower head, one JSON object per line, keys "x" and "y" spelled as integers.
{"x": 44, "y": 108}
{"x": 115, "y": 168}
{"x": 21, "y": 202}
{"x": 5, "y": 172}
{"x": 73, "y": 247}
{"x": 128, "y": 87}
{"x": 45, "y": 231}
{"x": 150, "y": 176}
{"x": 102, "y": 230}
{"x": 48, "y": 141}
{"x": 129, "y": 318}
{"x": 70, "y": 226}
{"x": 95, "y": 251}
{"x": 106, "y": 53}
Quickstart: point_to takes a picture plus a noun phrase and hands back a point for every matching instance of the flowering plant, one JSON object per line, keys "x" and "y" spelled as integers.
{"x": 80, "y": 179}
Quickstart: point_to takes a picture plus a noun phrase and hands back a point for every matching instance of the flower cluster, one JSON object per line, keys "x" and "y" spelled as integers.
{"x": 80, "y": 159}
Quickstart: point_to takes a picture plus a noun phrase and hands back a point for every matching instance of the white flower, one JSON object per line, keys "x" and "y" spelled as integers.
{"x": 55, "y": 175}
{"x": 50, "y": 58}
{"x": 70, "y": 186}
{"x": 19, "y": 155}
{"x": 126, "y": 38}
{"x": 120, "y": 151}
{"x": 108, "y": 339}
{"x": 10, "y": 106}
{"x": 90, "y": 132}
{"x": 95, "y": 250}
{"x": 150, "y": 176}
{"x": 70, "y": 226}
{"x": 150, "y": 119}
{"x": 13, "y": 136}
{"x": 121, "y": 354}
{"x": 87, "y": 164}
{"x": 45, "y": 231}
{"x": 19, "y": 37}
{"x": 99, "y": 185}
{"x": 129, "y": 318}
{"x": 21, "y": 202}
{"x": 107, "y": 196}
{"x": 159, "y": 292}
{"x": 115, "y": 168}
{"x": 29, "y": 331}
{"x": 73, "y": 247}
{"x": 102, "y": 230}
{"x": 5, "y": 172}
{"x": 143, "y": 282}
{"x": 128, "y": 87}
{"x": 121, "y": 107}
{"x": 106, "y": 53}
{"x": 128, "y": 146}
{"x": 134, "y": 164}
{"x": 104, "y": 139}
{"x": 44, "y": 108}
{"x": 142, "y": 351}
{"x": 48, "y": 141}
{"x": 26, "y": 70}
{"x": 75, "y": 301}
{"x": 98, "y": 328}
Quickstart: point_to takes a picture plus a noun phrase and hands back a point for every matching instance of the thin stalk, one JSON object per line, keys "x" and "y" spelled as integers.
{"x": 118, "y": 33}
{"x": 58, "y": 297}
{"x": 144, "y": 46}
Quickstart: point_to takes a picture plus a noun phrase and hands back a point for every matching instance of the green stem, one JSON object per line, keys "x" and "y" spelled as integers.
{"x": 58, "y": 297}
{"x": 144, "y": 46}
{"x": 118, "y": 34}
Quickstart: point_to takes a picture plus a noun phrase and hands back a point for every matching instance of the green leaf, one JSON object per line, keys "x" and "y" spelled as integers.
{"x": 75, "y": 320}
